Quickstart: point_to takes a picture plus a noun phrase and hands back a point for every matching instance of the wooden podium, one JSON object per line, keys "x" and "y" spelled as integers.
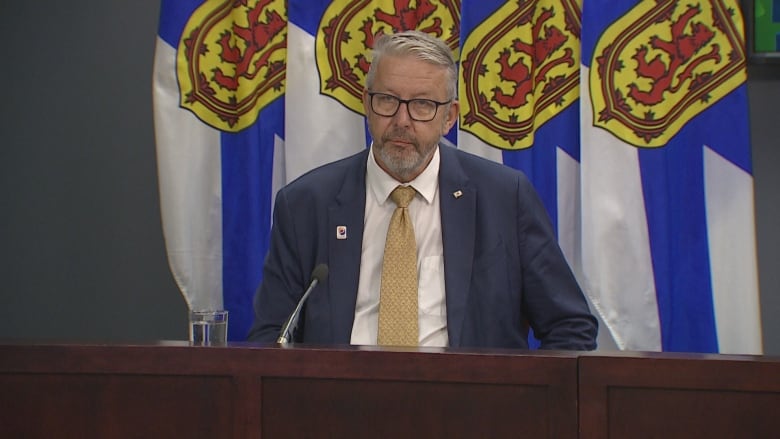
{"x": 174, "y": 390}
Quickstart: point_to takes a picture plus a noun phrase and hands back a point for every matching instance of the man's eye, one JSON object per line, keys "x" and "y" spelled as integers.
{"x": 422, "y": 104}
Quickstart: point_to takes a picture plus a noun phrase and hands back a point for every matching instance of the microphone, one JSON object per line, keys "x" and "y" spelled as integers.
{"x": 318, "y": 276}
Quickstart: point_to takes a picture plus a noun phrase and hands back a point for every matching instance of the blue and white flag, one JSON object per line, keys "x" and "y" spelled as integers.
{"x": 219, "y": 82}
{"x": 519, "y": 95}
{"x": 668, "y": 235}
{"x": 325, "y": 84}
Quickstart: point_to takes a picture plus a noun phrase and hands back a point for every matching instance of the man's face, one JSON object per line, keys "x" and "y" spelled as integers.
{"x": 403, "y": 147}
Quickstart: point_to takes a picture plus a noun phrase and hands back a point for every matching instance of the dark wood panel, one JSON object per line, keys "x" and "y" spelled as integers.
{"x": 365, "y": 408}
{"x": 678, "y": 396}
{"x": 647, "y": 412}
{"x": 115, "y": 406}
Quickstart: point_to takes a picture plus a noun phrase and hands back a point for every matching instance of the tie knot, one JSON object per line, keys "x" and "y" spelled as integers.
{"x": 402, "y": 195}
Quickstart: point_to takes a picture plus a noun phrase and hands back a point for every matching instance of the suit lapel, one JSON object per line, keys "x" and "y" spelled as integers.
{"x": 346, "y": 215}
{"x": 458, "y": 200}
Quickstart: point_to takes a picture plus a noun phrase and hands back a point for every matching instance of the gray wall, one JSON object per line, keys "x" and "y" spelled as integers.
{"x": 80, "y": 237}
{"x": 81, "y": 248}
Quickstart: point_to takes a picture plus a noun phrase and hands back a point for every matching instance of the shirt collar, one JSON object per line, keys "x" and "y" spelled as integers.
{"x": 381, "y": 184}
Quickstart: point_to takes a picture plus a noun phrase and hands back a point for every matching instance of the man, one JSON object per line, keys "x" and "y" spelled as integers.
{"x": 487, "y": 263}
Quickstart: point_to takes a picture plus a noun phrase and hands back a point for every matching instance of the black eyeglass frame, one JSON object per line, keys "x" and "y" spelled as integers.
{"x": 438, "y": 104}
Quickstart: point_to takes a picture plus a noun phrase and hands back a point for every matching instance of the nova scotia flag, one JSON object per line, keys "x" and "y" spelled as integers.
{"x": 668, "y": 235}
{"x": 519, "y": 94}
{"x": 519, "y": 91}
{"x": 321, "y": 127}
{"x": 219, "y": 124}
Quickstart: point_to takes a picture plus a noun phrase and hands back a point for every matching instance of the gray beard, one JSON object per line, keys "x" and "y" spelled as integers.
{"x": 405, "y": 167}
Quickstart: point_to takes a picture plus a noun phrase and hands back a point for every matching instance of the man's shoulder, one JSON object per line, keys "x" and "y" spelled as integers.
{"x": 479, "y": 167}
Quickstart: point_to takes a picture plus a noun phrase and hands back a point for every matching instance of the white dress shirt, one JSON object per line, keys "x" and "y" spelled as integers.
{"x": 426, "y": 218}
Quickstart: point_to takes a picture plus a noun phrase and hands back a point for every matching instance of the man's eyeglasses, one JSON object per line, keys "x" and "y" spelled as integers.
{"x": 420, "y": 110}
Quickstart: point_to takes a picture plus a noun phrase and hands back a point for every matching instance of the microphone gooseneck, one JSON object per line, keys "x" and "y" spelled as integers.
{"x": 318, "y": 275}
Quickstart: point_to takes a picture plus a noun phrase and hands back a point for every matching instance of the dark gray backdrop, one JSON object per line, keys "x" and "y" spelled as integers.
{"x": 81, "y": 249}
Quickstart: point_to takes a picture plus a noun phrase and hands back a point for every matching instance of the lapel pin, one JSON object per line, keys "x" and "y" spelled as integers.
{"x": 341, "y": 232}
{"x": 457, "y": 194}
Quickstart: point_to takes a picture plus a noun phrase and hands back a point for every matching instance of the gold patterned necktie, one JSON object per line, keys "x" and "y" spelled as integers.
{"x": 398, "y": 325}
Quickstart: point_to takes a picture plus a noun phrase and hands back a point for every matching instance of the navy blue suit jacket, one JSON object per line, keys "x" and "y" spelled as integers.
{"x": 503, "y": 269}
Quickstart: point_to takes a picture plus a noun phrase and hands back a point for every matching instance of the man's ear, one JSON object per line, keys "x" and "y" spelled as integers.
{"x": 452, "y": 116}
